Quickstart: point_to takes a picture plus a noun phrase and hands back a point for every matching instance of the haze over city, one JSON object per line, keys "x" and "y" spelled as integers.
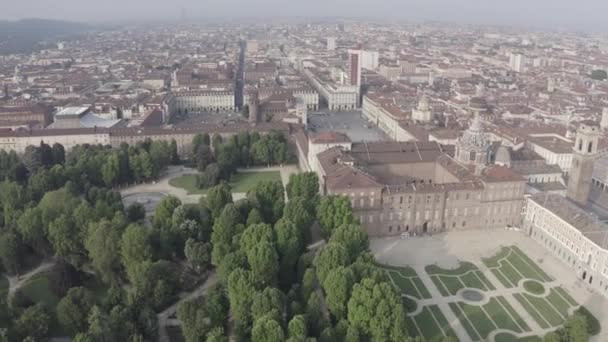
{"x": 554, "y": 14}
{"x": 304, "y": 171}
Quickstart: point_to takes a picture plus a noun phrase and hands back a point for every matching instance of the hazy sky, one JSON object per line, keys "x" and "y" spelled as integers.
{"x": 580, "y": 14}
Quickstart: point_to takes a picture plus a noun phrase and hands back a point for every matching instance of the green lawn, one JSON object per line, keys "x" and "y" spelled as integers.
{"x": 506, "y": 337}
{"x": 462, "y": 269}
{"x": 534, "y": 287}
{"x": 407, "y": 281}
{"x": 38, "y": 290}
{"x": 432, "y": 324}
{"x": 240, "y": 182}
{"x": 449, "y": 282}
{"x": 510, "y": 265}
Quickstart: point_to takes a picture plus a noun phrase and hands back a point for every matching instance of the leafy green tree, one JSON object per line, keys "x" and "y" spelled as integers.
{"x": 266, "y": 329}
{"x": 101, "y": 245}
{"x": 255, "y": 234}
{"x": 73, "y": 309}
{"x": 376, "y": 310}
{"x": 240, "y": 294}
{"x": 329, "y": 258}
{"x": 197, "y": 142}
{"x": 599, "y": 75}
{"x": 261, "y": 152}
{"x": 194, "y": 320}
{"x": 353, "y": 238}
{"x": 198, "y": 254}
{"x": 10, "y": 252}
{"x": 163, "y": 215}
{"x": 333, "y": 212}
{"x": 99, "y": 327}
{"x": 305, "y": 185}
{"x": 309, "y": 283}
{"x": 33, "y": 322}
{"x": 216, "y": 141}
{"x": 314, "y": 315}
{"x": 264, "y": 263}
{"x": 217, "y": 305}
{"x": 203, "y": 157}
{"x": 136, "y": 212}
{"x": 338, "y": 285}
{"x": 173, "y": 152}
{"x": 217, "y": 198}
{"x": 153, "y": 282}
{"x": 12, "y": 197}
{"x": 135, "y": 247}
{"x": 270, "y": 301}
{"x": 225, "y": 229}
{"x": 296, "y": 210}
{"x": 290, "y": 245}
{"x": 231, "y": 262}
{"x": 216, "y": 335}
{"x": 269, "y": 195}
{"x": 254, "y": 217}
{"x": 210, "y": 177}
{"x": 111, "y": 170}
{"x": 297, "y": 327}
{"x": 67, "y": 240}
{"x": 58, "y": 154}
{"x": 31, "y": 229}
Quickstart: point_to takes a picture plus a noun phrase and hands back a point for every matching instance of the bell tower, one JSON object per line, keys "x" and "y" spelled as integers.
{"x": 583, "y": 156}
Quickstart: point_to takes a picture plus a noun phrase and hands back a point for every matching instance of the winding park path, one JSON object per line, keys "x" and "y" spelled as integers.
{"x": 164, "y": 319}
{"x": 162, "y": 185}
{"x": 15, "y": 282}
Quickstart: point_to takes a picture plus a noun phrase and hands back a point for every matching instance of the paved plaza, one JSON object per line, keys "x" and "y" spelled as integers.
{"x": 351, "y": 123}
{"x": 493, "y": 285}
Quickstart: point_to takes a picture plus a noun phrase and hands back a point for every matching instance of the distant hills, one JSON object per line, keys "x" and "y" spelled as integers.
{"x": 26, "y": 35}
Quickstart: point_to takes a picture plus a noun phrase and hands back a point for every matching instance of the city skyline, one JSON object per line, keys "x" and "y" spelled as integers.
{"x": 560, "y": 14}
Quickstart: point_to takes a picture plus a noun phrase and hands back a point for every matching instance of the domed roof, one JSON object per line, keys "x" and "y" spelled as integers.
{"x": 474, "y": 138}
{"x": 503, "y": 156}
{"x": 423, "y": 104}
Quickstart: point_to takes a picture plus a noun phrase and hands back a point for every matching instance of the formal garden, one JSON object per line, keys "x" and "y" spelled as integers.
{"x": 520, "y": 303}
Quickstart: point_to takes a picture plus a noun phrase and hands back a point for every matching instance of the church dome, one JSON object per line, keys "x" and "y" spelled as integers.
{"x": 474, "y": 138}
{"x": 503, "y": 156}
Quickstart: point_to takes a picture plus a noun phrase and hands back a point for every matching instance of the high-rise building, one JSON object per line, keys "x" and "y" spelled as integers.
{"x": 331, "y": 43}
{"x": 354, "y": 67}
{"x": 583, "y": 155}
{"x": 604, "y": 121}
{"x": 252, "y": 46}
{"x": 370, "y": 60}
{"x": 516, "y": 62}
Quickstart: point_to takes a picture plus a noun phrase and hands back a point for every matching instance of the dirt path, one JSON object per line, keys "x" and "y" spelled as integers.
{"x": 15, "y": 282}
{"x": 164, "y": 319}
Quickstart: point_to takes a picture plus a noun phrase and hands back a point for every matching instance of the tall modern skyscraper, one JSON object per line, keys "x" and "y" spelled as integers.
{"x": 583, "y": 156}
{"x": 331, "y": 43}
{"x": 354, "y": 67}
{"x": 516, "y": 62}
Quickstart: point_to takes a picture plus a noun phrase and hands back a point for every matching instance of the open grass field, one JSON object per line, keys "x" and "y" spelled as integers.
{"x": 240, "y": 182}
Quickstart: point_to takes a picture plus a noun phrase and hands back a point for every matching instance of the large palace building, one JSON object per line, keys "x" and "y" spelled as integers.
{"x": 417, "y": 187}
